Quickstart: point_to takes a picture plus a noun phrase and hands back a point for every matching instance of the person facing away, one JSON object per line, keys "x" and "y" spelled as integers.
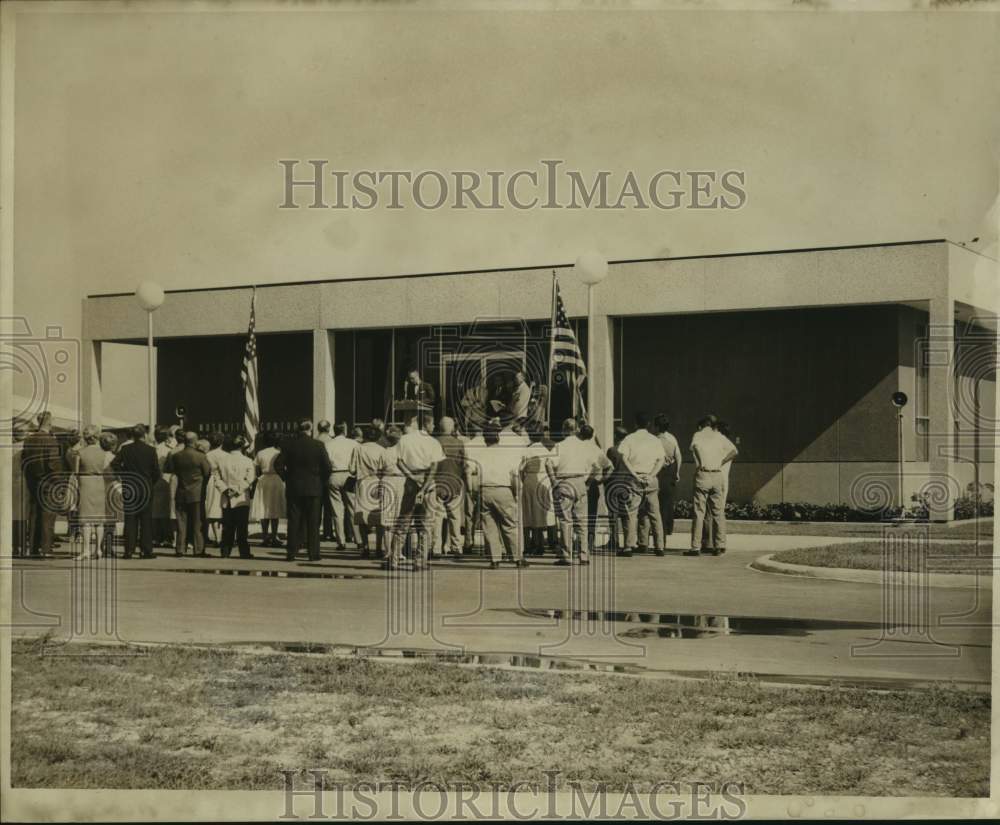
{"x": 268, "y": 505}
{"x": 192, "y": 470}
{"x": 669, "y": 475}
{"x": 617, "y": 491}
{"x": 341, "y": 451}
{"x": 138, "y": 467}
{"x": 418, "y": 457}
{"x": 323, "y": 437}
{"x": 305, "y": 467}
{"x": 642, "y": 455}
{"x": 163, "y": 510}
{"x": 234, "y": 480}
{"x": 41, "y": 463}
{"x": 447, "y": 501}
{"x": 711, "y": 451}
{"x": 571, "y": 463}
{"x": 499, "y": 468}
{"x": 366, "y": 468}
{"x": 707, "y": 539}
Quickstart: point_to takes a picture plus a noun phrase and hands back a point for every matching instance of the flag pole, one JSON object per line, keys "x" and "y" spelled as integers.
{"x": 552, "y": 347}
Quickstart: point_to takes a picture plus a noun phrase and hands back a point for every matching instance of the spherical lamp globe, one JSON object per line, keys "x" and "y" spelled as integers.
{"x": 149, "y": 295}
{"x": 592, "y": 267}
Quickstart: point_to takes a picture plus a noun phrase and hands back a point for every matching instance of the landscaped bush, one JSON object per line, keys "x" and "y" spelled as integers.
{"x": 971, "y": 505}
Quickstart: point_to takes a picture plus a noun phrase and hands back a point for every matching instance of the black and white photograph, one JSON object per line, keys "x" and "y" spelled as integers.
{"x": 519, "y": 410}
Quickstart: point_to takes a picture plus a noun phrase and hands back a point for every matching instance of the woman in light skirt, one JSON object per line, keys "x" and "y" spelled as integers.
{"x": 536, "y": 495}
{"x": 95, "y": 502}
{"x": 269, "y": 499}
{"x": 393, "y": 483}
{"x": 213, "y": 498}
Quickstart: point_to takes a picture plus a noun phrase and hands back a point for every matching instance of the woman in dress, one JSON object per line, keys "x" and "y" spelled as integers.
{"x": 367, "y": 465}
{"x": 94, "y": 505}
{"x": 213, "y": 498}
{"x": 393, "y": 483}
{"x": 536, "y": 495}
{"x": 269, "y": 499}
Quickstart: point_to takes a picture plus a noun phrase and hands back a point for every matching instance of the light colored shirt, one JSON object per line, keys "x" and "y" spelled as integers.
{"x": 265, "y": 460}
{"x": 671, "y": 451}
{"x": 418, "y": 451}
{"x": 520, "y": 400}
{"x": 235, "y": 472}
{"x": 574, "y": 457}
{"x": 369, "y": 459}
{"x": 341, "y": 450}
{"x": 642, "y": 452}
{"x": 497, "y": 464}
{"x": 710, "y": 447}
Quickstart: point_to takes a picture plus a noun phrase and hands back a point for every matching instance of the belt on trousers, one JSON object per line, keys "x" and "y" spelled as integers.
{"x": 706, "y": 470}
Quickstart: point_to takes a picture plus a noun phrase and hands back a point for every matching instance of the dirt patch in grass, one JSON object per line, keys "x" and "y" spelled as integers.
{"x": 938, "y": 557}
{"x": 195, "y": 718}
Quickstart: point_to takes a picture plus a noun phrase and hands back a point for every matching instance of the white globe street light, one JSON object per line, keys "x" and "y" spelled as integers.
{"x": 150, "y": 297}
{"x": 592, "y": 268}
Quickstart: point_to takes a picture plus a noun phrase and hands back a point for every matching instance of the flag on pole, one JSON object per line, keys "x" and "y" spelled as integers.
{"x": 248, "y": 373}
{"x": 565, "y": 352}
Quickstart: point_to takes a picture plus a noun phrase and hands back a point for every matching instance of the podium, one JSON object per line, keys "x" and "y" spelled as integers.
{"x": 405, "y": 407}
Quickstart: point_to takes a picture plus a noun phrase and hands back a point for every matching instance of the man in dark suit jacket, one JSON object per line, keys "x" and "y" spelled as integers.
{"x": 138, "y": 467}
{"x": 417, "y": 389}
{"x": 305, "y": 467}
{"x": 192, "y": 470}
{"x": 42, "y": 465}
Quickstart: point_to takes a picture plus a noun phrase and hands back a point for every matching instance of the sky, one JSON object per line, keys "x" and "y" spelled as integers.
{"x": 147, "y": 141}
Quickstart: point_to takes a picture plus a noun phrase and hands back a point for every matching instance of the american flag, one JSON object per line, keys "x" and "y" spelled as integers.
{"x": 565, "y": 350}
{"x": 248, "y": 373}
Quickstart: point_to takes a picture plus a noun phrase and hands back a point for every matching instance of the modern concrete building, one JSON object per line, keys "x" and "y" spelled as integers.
{"x": 799, "y": 350}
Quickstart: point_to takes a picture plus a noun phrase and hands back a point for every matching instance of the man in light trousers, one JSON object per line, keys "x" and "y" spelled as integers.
{"x": 712, "y": 451}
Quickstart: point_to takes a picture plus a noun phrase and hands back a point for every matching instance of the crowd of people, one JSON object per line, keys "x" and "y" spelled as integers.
{"x": 414, "y": 492}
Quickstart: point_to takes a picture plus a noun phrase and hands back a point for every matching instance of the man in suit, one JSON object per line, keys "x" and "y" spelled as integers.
{"x": 305, "y": 467}
{"x": 417, "y": 389}
{"x": 42, "y": 464}
{"x": 138, "y": 466}
{"x": 192, "y": 470}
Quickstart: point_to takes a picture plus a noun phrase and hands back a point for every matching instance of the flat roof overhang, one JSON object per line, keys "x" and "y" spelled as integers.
{"x": 871, "y": 274}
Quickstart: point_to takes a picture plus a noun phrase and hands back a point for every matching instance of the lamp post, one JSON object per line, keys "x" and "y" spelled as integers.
{"x": 899, "y": 400}
{"x": 150, "y": 298}
{"x": 592, "y": 267}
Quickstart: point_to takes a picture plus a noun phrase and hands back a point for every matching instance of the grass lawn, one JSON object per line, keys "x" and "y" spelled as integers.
{"x": 981, "y": 531}
{"x": 197, "y": 718}
{"x": 953, "y": 557}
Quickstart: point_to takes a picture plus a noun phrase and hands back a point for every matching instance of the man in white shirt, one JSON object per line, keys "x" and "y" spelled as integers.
{"x": 572, "y": 462}
{"x": 341, "y": 450}
{"x": 520, "y": 397}
{"x": 667, "y": 480}
{"x": 419, "y": 455}
{"x": 498, "y": 467}
{"x": 642, "y": 455}
{"x": 712, "y": 451}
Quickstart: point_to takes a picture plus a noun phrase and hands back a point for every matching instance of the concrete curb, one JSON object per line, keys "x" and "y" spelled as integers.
{"x": 767, "y": 564}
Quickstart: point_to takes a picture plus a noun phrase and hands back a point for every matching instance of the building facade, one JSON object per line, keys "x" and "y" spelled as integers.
{"x": 799, "y": 351}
